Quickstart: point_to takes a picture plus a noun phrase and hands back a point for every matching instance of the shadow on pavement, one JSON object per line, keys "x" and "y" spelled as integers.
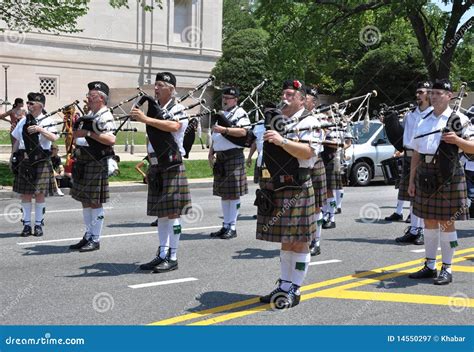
{"x": 256, "y": 253}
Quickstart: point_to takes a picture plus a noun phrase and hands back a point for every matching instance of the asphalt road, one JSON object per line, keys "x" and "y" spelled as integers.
{"x": 218, "y": 281}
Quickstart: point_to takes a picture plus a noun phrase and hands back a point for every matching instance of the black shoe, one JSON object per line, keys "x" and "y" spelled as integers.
{"x": 408, "y": 237}
{"x": 444, "y": 277}
{"x": 338, "y": 211}
{"x": 293, "y": 298}
{"x": 408, "y": 219}
{"x": 419, "y": 238}
{"x": 26, "y": 231}
{"x": 276, "y": 292}
{"x": 315, "y": 250}
{"x": 219, "y": 233}
{"x": 329, "y": 225}
{"x": 90, "y": 246}
{"x": 154, "y": 223}
{"x": 228, "y": 234}
{"x": 79, "y": 244}
{"x": 153, "y": 264}
{"x": 38, "y": 231}
{"x": 166, "y": 265}
{"x": 394, "y": 217}
{"x": 424, "y": 273}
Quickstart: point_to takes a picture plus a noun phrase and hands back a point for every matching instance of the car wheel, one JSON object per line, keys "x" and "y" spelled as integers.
{"x": 361, "y": 174}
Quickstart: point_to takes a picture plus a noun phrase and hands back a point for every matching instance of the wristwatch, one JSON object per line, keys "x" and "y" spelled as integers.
{"x": 88, "y": 133}
{"x": 284, "y": 141}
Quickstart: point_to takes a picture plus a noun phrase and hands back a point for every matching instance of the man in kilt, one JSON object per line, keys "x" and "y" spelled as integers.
{"x": 332, "y": 163}
{"x": 414, "y": 233}
{"x": 286, "y": 202}
{"x": 168, "y": 191}
{"x": 94, "y": 145}
{"x": 318, "y": 176}
{"x": 31, "y": 162}
{"x": 228, "y": 162}
{"x": 438, "y": 201}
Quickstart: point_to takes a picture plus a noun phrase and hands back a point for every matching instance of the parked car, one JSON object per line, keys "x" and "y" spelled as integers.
{"x": 369, "y": 147}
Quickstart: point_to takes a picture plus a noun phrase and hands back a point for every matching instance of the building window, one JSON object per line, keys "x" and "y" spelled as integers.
{"x": 183, "y": 21}
{"x": 48, "y": 86}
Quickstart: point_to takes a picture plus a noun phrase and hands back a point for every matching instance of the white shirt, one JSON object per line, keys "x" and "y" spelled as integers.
{"x": 219, "y": 142}
{"x": 429, "y": 144}
{"x": 177, "y": 111}
{"x": 259, "y": 131}
{"x": 45, "y": 143}
{"x": 410, "y": 123}
{"x": 103, "y": 119}
{"x": 314, "y": 135}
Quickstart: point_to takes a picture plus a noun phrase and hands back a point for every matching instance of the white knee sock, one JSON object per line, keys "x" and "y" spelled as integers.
{"x": 225, "y": 204}
{"x": 97, "y": 222}
{"x": 233, "y": 212}
{"x": 332, "y": 208}
{"x": 299, "y": 267}
{"x": 339, "y": 196}
{"x": 319, "y": 226}
{"x": 175, "y": 234}
{"x": 40, "y": 209}
{"x": 431, "y": 246}
{"x": 399, "y": 210}
{"x": 26, "y": 210}
{"x": 163, "y": 236}
{"x": 285, "y": 269}
{"x": 87, "y": 216}
{"x": 449, "y": 241}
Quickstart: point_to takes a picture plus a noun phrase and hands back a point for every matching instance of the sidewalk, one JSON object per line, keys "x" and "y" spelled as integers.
{"x": 197, "y": 153}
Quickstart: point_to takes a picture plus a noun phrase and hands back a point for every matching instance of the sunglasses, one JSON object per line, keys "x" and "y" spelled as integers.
{"x": 30, "y": 103}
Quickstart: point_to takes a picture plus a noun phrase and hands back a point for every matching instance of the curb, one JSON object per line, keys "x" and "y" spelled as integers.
{"x": 114, "y": 187}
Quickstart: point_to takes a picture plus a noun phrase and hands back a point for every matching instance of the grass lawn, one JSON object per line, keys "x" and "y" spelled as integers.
{"x": 139, "y": 138}
{"x": 194, "y": 169}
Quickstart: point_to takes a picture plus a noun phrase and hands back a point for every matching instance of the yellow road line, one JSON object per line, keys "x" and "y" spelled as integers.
{"x": 462, "y": 268}
{"x": 248, "y": 302}
{"x": 397, "y": 297}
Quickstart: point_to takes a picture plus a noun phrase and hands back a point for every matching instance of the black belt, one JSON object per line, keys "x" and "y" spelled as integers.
{"x": 230, "y": 152}
{"x": 427, "y": 158}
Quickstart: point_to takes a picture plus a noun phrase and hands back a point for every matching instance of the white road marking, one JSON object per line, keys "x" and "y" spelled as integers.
{"x": 160, "y": 283}
{"x": 55, "y": 211}
{"x": 420, "y": 250}
{"x": 117, "y": 235}
{"x": 326, "y": 262}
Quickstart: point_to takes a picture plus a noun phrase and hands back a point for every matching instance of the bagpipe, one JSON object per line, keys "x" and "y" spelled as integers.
{"x": 447, "y": 155}
{"x": 229, "y": 121}
{"x": 391, "y": 120}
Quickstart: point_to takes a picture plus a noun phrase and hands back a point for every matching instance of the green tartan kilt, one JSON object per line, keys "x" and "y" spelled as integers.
{"x": 318, "y": 177}
{"x": 44, "y": 182}
{"x": 405, "y": 180}
{"x": 333, "y": 178}
{"x": 449, "y": 202}
{"x": 92, "y": 186}
{"x": 293, "y": 218}
{"x": 233, "y": 183}
{"x": 172, "y": 196}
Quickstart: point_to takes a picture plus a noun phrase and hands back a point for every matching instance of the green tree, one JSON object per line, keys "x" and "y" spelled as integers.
{"x": 244, "y": 63}
{"x": 54, "y": 16}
